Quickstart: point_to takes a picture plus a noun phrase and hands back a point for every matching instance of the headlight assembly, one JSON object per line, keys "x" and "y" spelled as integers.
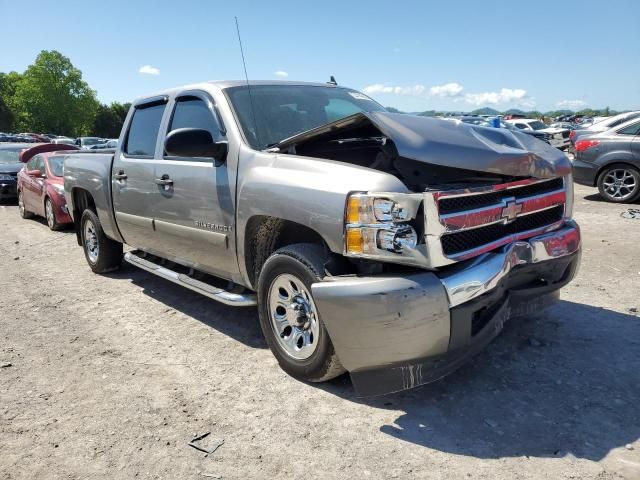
{"x": 384, "y": 226}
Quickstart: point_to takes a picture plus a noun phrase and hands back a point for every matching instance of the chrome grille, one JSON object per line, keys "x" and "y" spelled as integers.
{"x": 474, "y": 221}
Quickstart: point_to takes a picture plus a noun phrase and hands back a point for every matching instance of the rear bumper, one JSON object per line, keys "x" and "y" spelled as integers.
{"x": 584, "y": 173}
{"x": 397, "y": 332}
{"x": 8, "y": 189}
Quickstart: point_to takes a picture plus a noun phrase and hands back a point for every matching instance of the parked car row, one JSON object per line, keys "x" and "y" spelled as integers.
{"x": 85, "y": 143}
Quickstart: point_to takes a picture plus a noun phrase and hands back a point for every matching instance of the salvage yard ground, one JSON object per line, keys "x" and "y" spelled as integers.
{"x": 112, "y": 377}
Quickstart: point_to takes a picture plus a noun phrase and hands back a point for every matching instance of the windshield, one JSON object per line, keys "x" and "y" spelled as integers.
{"x": 537, "y": 125}
{"x": 10, "y": 155}
{"x": 282, "y": 111}
{"x": 55, "y": 165}
{"x": 91, "y": 141}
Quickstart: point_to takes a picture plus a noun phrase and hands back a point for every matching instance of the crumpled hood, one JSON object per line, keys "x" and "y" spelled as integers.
{"x": 453, "y": 144}
{"x": 471, "y": 147}
{"x": 11, "y": 167}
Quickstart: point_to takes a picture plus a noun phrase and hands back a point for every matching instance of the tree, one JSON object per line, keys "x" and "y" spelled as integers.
{"x": 109, "y": 119}
{"x": 8, "y": 85}
{"x": 52, "y": 97}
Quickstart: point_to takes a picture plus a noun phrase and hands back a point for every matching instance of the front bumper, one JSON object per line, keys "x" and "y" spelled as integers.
{"x": 397, "y": 332}
{"x": 584, "y": 173}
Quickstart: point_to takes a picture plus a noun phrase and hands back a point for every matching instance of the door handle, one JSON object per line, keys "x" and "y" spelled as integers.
{"x": 164, "y": 180}
{"x": 120, "y": 175}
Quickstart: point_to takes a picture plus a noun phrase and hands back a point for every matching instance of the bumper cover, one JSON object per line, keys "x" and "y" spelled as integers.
{"x": 584, "y": 173}
{"x": 397, "y": 332}
{"x": 8, "y": 188}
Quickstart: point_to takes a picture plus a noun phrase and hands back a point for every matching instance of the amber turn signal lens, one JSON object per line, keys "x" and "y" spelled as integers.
{"x": 353, "y": 210}
{"x": 355, "y": 241}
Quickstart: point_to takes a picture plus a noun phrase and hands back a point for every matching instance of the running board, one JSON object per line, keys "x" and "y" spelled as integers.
{"x": 215, "y": 293}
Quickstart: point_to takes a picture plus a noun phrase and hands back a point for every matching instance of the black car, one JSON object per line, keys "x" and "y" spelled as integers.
{"x": 10, "y": 165}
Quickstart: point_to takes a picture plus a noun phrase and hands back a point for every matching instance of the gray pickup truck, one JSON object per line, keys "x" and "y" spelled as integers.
{"x": 390, "y": 246}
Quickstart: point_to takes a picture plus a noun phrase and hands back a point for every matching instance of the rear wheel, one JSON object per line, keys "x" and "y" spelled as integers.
{"x": 289, "y": 318}
{"x": 50, "y": 215}
{"x": 24, "y": 213}
{"x": 619, "y": 183}
{"x": 102, "y": 254}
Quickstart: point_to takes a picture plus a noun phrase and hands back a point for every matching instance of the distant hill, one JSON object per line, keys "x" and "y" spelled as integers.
{"x": 485, "y": 111}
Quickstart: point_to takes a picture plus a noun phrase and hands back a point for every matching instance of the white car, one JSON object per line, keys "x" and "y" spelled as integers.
{"x": 559, "y": 136}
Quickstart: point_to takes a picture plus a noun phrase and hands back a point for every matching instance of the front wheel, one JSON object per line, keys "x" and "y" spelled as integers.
{"x": 619, "y": 183}
{"x": 102, "y": 254}
{"x": 289, "y": 317}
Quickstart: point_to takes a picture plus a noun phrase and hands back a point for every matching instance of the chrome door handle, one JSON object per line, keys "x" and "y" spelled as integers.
{"x": 120, "y": 175}
{"x": 164, "y": 180}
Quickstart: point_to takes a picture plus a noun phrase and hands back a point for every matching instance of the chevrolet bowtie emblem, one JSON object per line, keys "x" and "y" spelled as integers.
{"x": 511, "y": 210}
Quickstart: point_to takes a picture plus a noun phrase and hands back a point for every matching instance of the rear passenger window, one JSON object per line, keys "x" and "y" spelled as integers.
{"x": 193, "y": 112}
{"x": 630, "y": 130}
{"x": 143, "y": 131}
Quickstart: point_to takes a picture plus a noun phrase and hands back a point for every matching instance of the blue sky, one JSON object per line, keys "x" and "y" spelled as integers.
{"x": 413, "y": 55}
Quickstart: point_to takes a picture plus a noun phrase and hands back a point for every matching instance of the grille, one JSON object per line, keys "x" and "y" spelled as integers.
{"x": 454, "y": 243}
{"x": 565, "y": 134}
{"x": 470, "y": 202}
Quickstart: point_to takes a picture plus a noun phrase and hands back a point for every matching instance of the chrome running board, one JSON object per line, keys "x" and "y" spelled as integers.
{"x": 135, "y": 257}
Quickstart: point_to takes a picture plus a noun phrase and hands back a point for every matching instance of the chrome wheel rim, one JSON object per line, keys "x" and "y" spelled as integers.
{"x": 20, "y": 204}
{"x": 620, "y": 183}
{"x": 294, "y": 317}
{"x": 91, "y": 241}
{"x": 48, "y": 208}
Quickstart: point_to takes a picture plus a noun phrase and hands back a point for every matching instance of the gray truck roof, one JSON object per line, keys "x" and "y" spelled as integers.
{"x": 222, "y": 84}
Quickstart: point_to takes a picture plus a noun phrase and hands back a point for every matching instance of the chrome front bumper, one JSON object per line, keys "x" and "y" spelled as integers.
{"x": 482, "y": 274}
{"x": 393, "y": 332}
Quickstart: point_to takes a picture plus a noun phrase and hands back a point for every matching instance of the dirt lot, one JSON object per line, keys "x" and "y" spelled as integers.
{"x": 112, "y": 376}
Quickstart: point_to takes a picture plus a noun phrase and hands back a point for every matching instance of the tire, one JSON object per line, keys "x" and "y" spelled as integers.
{"x": 24, "y": 213}
{"x": 619, "y": 183}
{"x": 50, "y": 215}
{"x": 284, "y": 291}
{"x": 102, "y": 254}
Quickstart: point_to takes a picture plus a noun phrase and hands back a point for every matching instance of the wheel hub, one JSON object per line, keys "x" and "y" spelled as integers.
{"x": 294, "y": 317}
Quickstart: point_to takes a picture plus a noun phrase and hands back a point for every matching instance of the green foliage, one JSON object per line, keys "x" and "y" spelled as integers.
{"x": 109, "y": 120}
{"x": 52, "y": 97}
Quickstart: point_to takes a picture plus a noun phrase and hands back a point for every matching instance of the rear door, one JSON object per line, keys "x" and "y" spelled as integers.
{"x": 133, "y": 174}
{"x": 194, "y": 213}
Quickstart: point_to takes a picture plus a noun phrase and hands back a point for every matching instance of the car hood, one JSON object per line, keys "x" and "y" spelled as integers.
{"x": 11, "y": 167}
{"x": 553, "y": 130}
{"x": 451, "y": 144}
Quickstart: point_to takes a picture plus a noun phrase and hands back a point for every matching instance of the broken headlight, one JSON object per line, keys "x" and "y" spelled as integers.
{"x": 384, "y": 226}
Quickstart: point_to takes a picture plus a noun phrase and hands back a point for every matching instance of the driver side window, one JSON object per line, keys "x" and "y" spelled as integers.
{"x": 193, "y": 112}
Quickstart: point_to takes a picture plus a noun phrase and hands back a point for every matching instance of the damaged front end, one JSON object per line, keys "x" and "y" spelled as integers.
{"x": 475, "y": 188}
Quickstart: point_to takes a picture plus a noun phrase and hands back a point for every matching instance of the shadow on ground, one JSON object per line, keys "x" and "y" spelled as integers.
{"x": 239, "y": 323}
{"x": 567, "y": 381}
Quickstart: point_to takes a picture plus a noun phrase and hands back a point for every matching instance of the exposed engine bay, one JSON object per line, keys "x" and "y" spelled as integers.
{"x": 430, "y": 154}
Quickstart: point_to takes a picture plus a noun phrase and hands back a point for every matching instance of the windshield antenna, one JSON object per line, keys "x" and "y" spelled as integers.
{"x": 253, "y": 113}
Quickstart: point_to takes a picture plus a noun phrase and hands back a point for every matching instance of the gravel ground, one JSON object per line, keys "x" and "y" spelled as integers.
{"x": 111, "y": 377}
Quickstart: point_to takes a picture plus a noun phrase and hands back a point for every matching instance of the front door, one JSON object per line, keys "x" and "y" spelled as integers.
{"x": 33, "y": 187}
{"x": 193, "y": 207}
{"x": 133, "y": 175}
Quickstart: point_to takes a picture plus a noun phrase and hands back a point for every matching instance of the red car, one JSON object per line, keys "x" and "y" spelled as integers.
{"x": 41, "y": 185}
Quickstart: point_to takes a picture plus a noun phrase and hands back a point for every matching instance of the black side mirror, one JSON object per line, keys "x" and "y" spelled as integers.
{"x": 195, "y": 142}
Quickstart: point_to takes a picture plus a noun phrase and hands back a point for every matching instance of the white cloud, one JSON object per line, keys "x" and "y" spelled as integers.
{"x": 505, "y": 95}
{"x": 414, "y": 90}
{"x": 452, "y": 89}
{"x": 571, "y": 104}
{"x": 149, "y": 70}
{"x": 281, "y": 73}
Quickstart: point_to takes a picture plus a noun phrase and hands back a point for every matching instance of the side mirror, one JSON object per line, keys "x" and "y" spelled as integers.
{"x": 34, "y": 173}
{"x": 195, "y": 142}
